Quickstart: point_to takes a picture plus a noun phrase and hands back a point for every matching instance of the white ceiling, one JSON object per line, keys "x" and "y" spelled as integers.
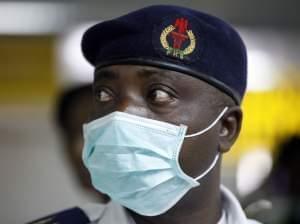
{"x": 53, "y": 16}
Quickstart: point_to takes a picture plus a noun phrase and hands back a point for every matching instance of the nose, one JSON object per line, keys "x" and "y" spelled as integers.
{"x": 132, "y": 105}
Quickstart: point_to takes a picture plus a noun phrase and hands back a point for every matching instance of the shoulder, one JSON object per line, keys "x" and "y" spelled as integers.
{"x": 73, "y": 215}
{"x": 89, "y": 213}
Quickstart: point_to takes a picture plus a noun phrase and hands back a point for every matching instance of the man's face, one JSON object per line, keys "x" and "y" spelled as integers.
{"x": 166, "y": 96}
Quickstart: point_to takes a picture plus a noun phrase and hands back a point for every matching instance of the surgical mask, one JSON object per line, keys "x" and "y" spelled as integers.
{"x": 135, "y": 161}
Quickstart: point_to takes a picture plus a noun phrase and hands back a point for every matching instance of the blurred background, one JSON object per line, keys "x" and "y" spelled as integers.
{"x": 40, "y": 57}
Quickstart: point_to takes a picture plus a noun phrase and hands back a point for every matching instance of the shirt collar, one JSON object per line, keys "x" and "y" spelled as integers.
{"x": 234, "y": 213}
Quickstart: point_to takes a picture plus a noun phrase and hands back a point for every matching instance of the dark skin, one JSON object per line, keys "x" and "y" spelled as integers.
{"x": 176, "y": 98}
{"x": 79, "y": 111}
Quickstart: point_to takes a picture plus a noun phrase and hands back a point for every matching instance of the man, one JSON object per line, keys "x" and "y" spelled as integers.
{"x": 281, "y": 188}
{"x": 74, "y": 108}
{"x": 167, "y": 88}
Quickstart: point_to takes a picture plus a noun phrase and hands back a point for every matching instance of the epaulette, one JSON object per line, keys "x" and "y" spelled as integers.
{"x": 70, "y": 216}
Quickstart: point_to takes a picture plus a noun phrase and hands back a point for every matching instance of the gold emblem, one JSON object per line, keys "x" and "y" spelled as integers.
{"x": 180, "y": 35}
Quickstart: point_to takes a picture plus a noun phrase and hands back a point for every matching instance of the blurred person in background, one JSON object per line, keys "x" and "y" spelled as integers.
{"x": 281, "y": 189}
{"x": 74, "y": 108}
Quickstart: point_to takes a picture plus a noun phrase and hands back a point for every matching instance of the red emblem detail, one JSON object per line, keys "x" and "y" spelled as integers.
{"x": 179, "y": 36}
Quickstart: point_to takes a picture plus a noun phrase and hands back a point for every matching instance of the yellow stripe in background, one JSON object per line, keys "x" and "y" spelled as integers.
{"x": 268, "y": 118}
{"x": 26, "y": 69}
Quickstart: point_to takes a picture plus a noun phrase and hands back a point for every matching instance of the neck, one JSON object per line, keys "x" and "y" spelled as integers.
{"x": 200, "y": 205}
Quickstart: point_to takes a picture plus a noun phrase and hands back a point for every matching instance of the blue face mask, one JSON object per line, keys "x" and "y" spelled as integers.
{"x": 134, "y": 160}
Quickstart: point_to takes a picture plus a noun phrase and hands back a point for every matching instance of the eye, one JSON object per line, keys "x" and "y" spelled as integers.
{"x": 103, "y": 96}
{"x": 160, "y": 96}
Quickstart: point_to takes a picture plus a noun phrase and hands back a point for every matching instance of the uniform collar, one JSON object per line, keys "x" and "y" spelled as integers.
{"x": 234, "y": 213}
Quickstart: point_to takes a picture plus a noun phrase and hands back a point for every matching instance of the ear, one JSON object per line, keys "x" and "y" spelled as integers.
{"x": 230, "y": 128}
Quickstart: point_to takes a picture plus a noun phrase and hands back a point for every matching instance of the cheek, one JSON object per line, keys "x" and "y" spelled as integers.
{"x": 197, "y": 153}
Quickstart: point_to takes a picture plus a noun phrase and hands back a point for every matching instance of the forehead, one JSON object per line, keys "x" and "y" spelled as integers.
{"x": 142, "y": 72}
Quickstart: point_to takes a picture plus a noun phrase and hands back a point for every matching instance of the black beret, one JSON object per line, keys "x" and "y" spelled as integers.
{"x": 174, "y": 38}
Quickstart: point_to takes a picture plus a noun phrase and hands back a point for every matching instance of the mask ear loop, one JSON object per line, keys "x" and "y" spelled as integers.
{"x": 209, "y": 168}
{"x": 210, "y": 126}
{"x": 203, "y": 131}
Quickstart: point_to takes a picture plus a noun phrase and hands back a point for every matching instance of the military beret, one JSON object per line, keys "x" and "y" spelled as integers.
{"x": 174, "y": 38}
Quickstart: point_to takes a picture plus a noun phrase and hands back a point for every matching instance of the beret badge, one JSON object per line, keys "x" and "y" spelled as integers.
{"x": 174, "y": 38}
